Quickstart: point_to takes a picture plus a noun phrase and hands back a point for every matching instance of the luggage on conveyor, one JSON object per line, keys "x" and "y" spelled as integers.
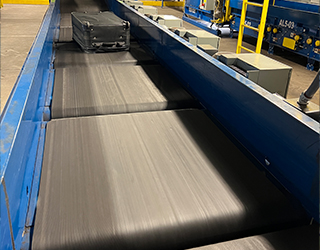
{"x": 102, "y": 31}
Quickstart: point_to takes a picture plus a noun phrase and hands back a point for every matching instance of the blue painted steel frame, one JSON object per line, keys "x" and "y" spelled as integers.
{"x": 198, "y": 13}
{"x": 22, "y": 130}
{"x": 280, "y": 137}
{"x": 191, "y": 8}
{"x": 305, "y": 17}
{"x": 201, "y": 25}
{"x": 298, "y": 6}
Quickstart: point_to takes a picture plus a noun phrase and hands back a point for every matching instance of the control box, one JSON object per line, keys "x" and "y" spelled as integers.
{"x": 266, "y": 72}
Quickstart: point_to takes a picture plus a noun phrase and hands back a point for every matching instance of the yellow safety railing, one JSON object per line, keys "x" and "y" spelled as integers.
{"x": 45, "y": 2}
{"x": 260, "y": 28}
{"x": 227, "y": 13}
{"x": 163, "y": 3}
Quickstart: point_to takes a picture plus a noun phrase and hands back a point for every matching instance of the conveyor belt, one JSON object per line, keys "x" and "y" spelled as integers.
{"x": 106, "y": 89}
{"x": 154, "y": 180}
{"x": 67, "y": 6}
{"x": 65, "y": 33}
{"x": 71, "y": 55}
{"x": 144, "y": 180}
{"x": 300, "y": 238}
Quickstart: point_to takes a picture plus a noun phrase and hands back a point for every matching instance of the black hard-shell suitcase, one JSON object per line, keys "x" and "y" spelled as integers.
{"x": 100, "y": 31}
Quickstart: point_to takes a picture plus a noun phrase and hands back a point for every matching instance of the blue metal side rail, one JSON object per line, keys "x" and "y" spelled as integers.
{"x": 281, "y": 138}
{"x": 22, "y": 131}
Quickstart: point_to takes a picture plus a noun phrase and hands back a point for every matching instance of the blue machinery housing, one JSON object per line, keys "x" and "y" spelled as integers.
{"x": 279, "y": 137}
{"x": 295, "y": 21}
{"x": 294, "y": 26}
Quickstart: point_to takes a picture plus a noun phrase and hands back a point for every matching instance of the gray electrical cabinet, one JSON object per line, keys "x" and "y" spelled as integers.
{"x": 208, "y": 4}
{"x": 147, "y": 10}
{"x": 196, "y": 37}
{"x": 167, "y": 20}
{"x": 266, "y": 72}
{"x": 132, "y": 3}
{"x": 204, "y": 40}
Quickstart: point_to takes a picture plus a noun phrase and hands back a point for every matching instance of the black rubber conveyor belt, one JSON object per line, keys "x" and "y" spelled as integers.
{"x": 68, "y": 6}
{"x": 110, "y": 83}
{"x": 153, "y": 180}
{"x": 65, "y": 32}
{"x": 107, "y": 89}
{"x": 70, "y": 55}
{"x": 299, "y": 238}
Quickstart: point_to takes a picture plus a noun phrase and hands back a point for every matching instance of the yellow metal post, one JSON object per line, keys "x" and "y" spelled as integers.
{"x": 165, "y": 3}
{"x": 228, "y": 11}
{"x": 262, "y": 25}
{"x": 44, "y": 2}
{"x": 241, "y": 26}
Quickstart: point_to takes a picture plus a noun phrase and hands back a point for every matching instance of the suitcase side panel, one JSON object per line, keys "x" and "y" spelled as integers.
{"x": 81, "y": 32}
{"x": 100, "y": 31}
{"x": 112, "y": 35}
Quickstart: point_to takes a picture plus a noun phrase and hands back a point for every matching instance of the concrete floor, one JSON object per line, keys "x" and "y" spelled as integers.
{"x": 20, "y": 24}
